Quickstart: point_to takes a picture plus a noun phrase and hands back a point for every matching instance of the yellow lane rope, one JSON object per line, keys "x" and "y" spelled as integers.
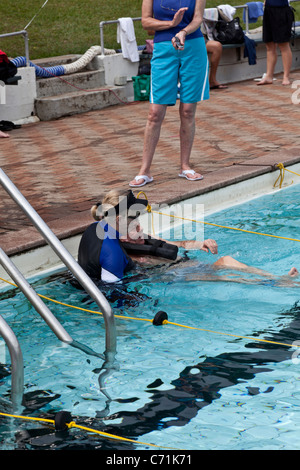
{"x": 229, "y": 228}
{"x": 72, "y": 424}
{"x": 281, "y": 177}
{"x": 165, "y": 322}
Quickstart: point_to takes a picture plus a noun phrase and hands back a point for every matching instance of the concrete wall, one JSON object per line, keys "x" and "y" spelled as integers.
{"x": 115, "y": 66}
{"x": 234, "y": 67}
{"x": 17, "y": 101}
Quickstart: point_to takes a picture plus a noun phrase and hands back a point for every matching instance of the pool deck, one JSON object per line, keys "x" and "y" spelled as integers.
{"x": 62, "y": 167}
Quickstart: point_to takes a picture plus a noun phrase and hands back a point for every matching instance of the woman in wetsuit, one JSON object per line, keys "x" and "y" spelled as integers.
{"x": 101, "y": 254}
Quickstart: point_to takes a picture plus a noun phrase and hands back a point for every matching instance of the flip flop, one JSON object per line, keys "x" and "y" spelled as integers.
{"x": 146, "y": 179}
{"x": 185, "y": 174}
{"x": 218, "y": 87}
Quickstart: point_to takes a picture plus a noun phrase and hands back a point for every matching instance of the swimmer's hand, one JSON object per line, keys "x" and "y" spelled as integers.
{"x": 206, "y": 245}
{"x": 210, "y": 245}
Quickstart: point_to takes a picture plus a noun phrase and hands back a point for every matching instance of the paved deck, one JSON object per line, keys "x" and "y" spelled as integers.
{"x": 62, "y": 167}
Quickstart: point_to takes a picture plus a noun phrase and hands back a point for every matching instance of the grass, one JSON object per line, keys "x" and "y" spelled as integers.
{"x": 71, "y": 26}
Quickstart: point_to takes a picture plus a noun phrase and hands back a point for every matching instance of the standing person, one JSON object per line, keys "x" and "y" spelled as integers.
{"x": 277, "y": 30}
{"x": 179, "y": 56}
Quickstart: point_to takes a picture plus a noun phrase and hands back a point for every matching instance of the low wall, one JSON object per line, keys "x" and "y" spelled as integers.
{"x": 234, "y": 67}
{"x": 17, "y": 101}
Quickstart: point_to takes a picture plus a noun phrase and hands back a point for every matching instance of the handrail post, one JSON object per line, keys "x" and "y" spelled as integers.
{"x": 17, "y": 368}
{"x": 102, "y": 23}
{"x": 23, "y": 33}
{"x": 67, "y": 259}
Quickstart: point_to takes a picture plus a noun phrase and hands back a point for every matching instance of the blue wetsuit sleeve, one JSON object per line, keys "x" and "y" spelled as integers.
{"x": 113, "y": 258}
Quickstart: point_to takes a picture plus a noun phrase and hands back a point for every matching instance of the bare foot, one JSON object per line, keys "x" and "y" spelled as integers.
{"x": 265, "y": 81}
{"x": 3, "y": 134}
{"x": 294, "y": 272}
{"x": 286, "y": 81}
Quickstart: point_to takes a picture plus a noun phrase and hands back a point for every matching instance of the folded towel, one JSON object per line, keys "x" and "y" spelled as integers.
{"x": 255, "y": 10}
{"x": 227, "y": 12}
{"x": 211, "y": 14}
{"x": 126, "y": 36}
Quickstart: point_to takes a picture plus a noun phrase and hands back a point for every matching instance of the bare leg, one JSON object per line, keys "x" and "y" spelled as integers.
{"x": 227, "y": 262}
{"x": 187, "y": 133}
{"x": 214, "y": 48}
{"x": 156, "y": 116}
{"x": 286, "y": 55}
{"x": 271, "y": 62}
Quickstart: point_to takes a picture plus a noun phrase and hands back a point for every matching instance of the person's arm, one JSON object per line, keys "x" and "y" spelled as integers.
{"x": 151, "y": 24}
{"x": 206, "y": 245}
{"x": 194, "y": 24}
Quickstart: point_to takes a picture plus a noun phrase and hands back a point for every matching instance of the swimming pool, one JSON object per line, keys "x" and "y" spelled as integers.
{"x": 174, "y": 387}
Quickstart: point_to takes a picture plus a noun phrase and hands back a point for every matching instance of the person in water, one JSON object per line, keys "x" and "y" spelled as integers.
{"x": 103, "y": 253}
{"x": 112, "y": 245}
{"x": 136, "y": 235}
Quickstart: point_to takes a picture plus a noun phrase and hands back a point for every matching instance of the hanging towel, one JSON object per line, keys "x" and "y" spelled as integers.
{"x": 227, "y": 12}
{"x": 208, "y": 26}
{"x": 250, "y": 50}
{"x": 126, "y": 36}
{"x": 255, "y": 10}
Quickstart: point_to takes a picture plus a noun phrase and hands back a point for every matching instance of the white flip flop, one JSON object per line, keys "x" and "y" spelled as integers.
{"x": 185, "y": 174}
{"x": 146, "y": 179}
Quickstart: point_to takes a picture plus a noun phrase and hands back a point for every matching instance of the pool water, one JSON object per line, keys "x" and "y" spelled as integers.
{"x": 193, "y": 389}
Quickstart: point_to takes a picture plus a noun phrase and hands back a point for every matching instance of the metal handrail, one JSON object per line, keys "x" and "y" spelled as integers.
{"x": 17, "y": 369}
{"x": 102, "y": 23}
{"x": 34, "y": 299}
{"x": 26, "y": 39}
{"x": 69, "y": 261}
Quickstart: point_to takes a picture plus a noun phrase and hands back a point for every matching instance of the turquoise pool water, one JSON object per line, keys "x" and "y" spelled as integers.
{"x": 173, "y": 387}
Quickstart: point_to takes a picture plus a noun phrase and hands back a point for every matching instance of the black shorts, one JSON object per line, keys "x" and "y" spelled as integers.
{"x": 277, "y": 24}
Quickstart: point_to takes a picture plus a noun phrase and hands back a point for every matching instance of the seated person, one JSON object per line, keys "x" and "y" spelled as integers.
{"x": 214, "y": 49}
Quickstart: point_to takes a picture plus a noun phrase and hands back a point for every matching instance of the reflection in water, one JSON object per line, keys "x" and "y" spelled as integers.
{"x": 196, "y": 387}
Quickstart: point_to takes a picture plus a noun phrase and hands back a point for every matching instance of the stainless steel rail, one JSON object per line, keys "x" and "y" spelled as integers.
{"x": 17, "y": 368}
{"x": 102, "y": 23}
{"x": 68, "y": 260}
{"x": 25, "y": 36}
{"x": 33, "y": 298}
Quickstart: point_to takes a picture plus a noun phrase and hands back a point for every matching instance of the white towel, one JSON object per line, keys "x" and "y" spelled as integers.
{"x": 227, "y": 12}
{"x": 126, "y": 36}
{"x": 211, "y": 14}
{"x": 210, "y": 18}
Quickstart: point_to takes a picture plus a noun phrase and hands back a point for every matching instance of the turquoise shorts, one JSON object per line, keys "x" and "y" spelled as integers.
{"x": 188, "y": 68}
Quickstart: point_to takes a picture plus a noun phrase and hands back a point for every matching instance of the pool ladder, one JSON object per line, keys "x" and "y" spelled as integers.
{"x": 38, "y": 304}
